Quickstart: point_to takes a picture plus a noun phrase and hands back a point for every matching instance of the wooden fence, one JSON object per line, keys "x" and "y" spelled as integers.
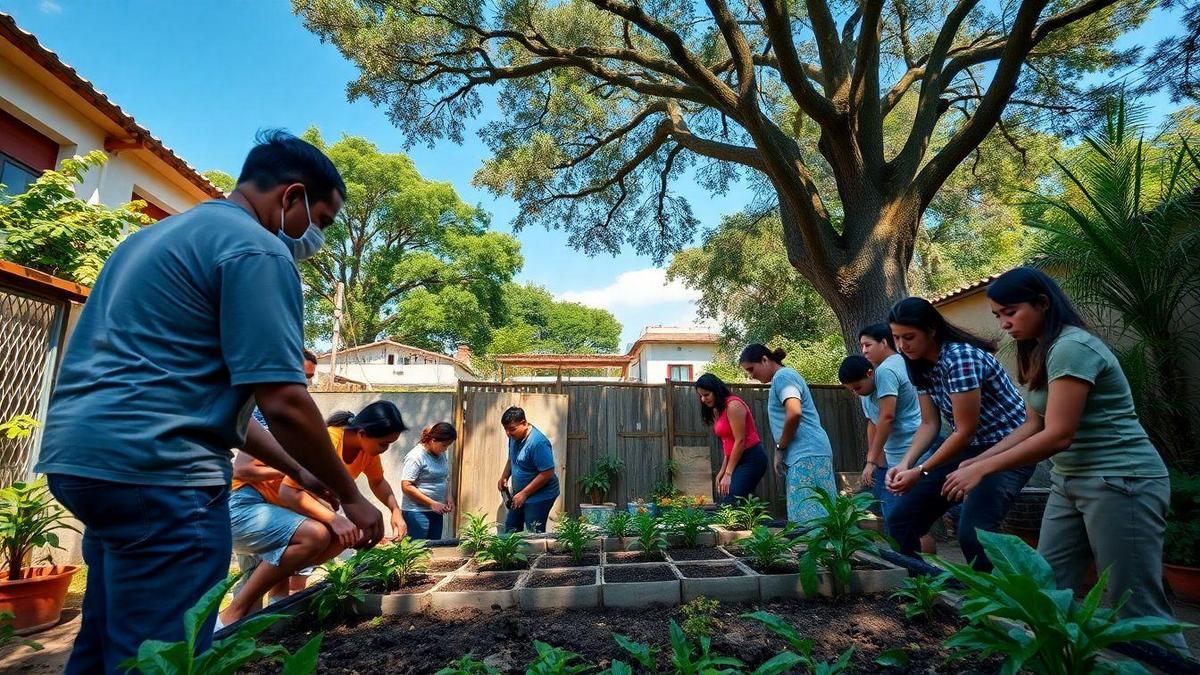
{"x": 642, "y": 423}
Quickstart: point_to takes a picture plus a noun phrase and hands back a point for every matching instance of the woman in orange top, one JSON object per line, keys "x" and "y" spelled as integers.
{"x": 290, "y": 529}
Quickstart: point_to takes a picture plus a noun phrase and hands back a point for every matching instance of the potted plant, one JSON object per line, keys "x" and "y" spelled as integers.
{"x": 29, "y": 520}
{"x": 1181, "y": 540}
{"x": 596, "y": 485}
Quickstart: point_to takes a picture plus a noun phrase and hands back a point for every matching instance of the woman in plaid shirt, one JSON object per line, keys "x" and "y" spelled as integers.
{"x": 956, "y": 376}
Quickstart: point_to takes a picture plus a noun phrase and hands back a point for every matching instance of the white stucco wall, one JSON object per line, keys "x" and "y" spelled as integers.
{"x": 382, "y": 374}
{"x": 654, "y": 360}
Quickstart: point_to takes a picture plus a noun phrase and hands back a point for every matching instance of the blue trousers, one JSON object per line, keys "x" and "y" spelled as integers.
{"x": 530, "y": 517}
{"x": 748, "y": 472}
{"x": 423, "y": 524}
{"x": 151, "y": 552}
{"x": 914, "y": 512}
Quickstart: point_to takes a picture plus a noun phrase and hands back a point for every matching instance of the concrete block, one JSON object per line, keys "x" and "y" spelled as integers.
{"x": 640, "y": 593}
{"x": 743, "y": 588}
{"x": 559, "y": 597}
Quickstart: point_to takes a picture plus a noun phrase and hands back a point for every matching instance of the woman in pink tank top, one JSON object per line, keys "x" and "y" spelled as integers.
{"x": 745, "y": 462}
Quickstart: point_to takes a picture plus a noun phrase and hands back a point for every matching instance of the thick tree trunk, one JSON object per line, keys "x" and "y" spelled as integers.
{"x": 870, "y": 275}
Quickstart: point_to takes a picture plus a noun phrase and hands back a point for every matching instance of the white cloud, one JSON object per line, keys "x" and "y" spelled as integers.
{"x": 50, "y": 7}
{"x": 637, "y": 288}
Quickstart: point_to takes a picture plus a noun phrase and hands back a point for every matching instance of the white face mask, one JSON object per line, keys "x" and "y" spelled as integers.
{"x": 309, "y": 243}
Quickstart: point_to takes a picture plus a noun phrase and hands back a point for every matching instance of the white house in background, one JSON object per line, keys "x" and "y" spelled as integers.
{"x": 48, "y": 112}
{"x": 388, "y": 363}
{"x": 671, "y": 353}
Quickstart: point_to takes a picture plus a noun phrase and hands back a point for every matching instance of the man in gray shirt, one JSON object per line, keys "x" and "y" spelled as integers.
{"x": 190, "y": 321}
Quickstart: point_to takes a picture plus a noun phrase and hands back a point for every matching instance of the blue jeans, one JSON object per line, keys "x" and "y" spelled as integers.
{"x": 152, "y": 552}
{"x": 913, "y": 513}
{"x": 530, "y": 517}
{"x": 423, "y": 524}
{"x": 749, "y": 470}
{"x": 887, "y": 500}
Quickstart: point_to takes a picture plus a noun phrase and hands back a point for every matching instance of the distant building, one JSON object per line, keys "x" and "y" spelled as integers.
{"x": 661, "y": 353}
{"x": 387, "y": 363}
{"x": 48, "y": 112}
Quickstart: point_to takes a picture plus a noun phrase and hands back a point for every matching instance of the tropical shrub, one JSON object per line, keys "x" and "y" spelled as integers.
{"x": 467, "y": 664}
{"x": 227, "y": 655}
{"x": 921, "y": 594}
{"x": 769, "y": 551}
{"x": 476, "y": 532}
{"x": 833, "y": 539}
{"x": 503, "y": 551}
{"x": 554, "y": 661}
{"x": 688, "y": 523}
{"x": 1054, "y": 633}
{"x": 29, "y": 519}
{"x": 787, "y": 661}
{"x": 619, "y": 524}
{"x": 604, "y": 473}
{"x": 726, "y": 517}
{"x": 649, "y": 533}
{"x": 573, "y": 536}
{"x": 750, "y": 513}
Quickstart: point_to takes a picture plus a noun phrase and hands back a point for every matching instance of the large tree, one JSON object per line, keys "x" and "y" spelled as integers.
{"x": 418, "y": 264}
{"x": 606, "y": 104}
{"x": 535, "y": 322}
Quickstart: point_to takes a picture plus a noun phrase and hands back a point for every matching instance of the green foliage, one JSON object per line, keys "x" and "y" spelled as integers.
{"x": 688, "y": 523}
{"x": 29, "y": 519}
{"x": 1055, "y": 634}
{"x": 595, "y": 483}
{"x": 344, "y": 586}
{"x": 476, "y": 532}
{"x": 467, "y": 664}
{"x": 226, "y": 656}
{"x": 619, "y": 524}
{"x": 726, "y": 517}
{"x": 921, "y": 594}
{"x": 223, "y": 181}
{"x": 664, "y": 487}
{"x": 649, "y": 533}
{"x": 18, "y": 427}
{"x": 1181, "y": 539}
{"x": 50, "y": 229}
{"x": 9, "y": 637}
{"x": 419, "y": 264}
{"x": 697, "y": 659}
{"x": 503, "y": 551}
{"x": 833, "y": 539}
{"x": 787, "y": 661}
{"x": 573, "y": 535}
{"x": 554, "y": 661}
{"x": 1124, "y": 238}
{"x": 644, "y": 655}
{"x": 699, "y": 617}
{"x": 750, "y": 512}
{"x": 401, "y": 560}
{"x": 769, "y": 550}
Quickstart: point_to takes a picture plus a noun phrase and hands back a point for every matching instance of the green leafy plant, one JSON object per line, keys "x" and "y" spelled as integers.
{"x": 1054, "y": 634}
{"x": 573, "y": 535}
{"x": 921, "y": 594}
{"x": 834, "y": 538}
{"x": 643, "y": 654}
{"x": 664, "y": 487}
{"x": 649, "y": 533}
{"x": 787, "y": 661}
{"x": 476, "y": 532}
{"x": 604, "y": 473}
{"x": 751, "y": 512}
{"x": 699, "y": 617}
{"x": 226, "y": 656}
{"x": 344, "y": 586}
{"x": 503, "y": 551}
{"x": 29, "y": 519}
{"x": 698, "y": 659}
{"x": 554, "y": 661}
{"x": 688, "y": 523}
{"x": 619, "y": 524}
{"x": 770, "y": 551}
{"x": 8, "y": 634}
{"x": 402, "y": 560}
{"x": 18, "y": 426}
{"x": 726, "y": 517}
{"x": 467, "y": 664}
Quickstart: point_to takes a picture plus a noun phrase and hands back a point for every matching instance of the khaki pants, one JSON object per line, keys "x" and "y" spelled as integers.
{"x": 1118, "y": 522}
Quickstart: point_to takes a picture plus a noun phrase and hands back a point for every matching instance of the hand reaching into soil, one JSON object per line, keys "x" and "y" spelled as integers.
{"x": 368, "y": 519}
{"x": 344, "y": 531}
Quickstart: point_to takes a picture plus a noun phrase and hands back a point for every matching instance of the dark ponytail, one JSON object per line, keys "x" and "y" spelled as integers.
{"x": 1026, "y": 284}
{"x": 721, "y": 394}
{"x": 443, "y": 432}
{"x": 379, "y": 419}
{"x": 756, "y": 352}
{"x": 921, "y": 314}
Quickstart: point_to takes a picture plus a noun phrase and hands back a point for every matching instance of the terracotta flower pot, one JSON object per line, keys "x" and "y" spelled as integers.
{"x": 1184, "y": 581}
{"x": 37, "y": 600}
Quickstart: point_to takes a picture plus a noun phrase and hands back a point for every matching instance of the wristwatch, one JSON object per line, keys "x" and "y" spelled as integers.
{"x": 921, "y": 468}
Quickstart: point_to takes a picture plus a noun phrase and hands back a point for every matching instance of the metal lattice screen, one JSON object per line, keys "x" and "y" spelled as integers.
{"x": 29, "y": 330}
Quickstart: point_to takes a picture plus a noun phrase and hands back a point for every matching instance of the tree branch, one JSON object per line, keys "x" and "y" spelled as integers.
{"x": 864, "y": 86}
{"x": 791, "y": 71}
{"x": 905, "y": 41}
{"x": 829, "y": 46}
{"x": 743, "y": 58}
{"x": 656, "y": 107}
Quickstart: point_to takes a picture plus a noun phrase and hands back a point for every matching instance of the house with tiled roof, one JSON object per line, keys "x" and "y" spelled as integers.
{"x": 660, "y": 353}
{"x": 49, "y": 112}
{"x": 389, "y": 363}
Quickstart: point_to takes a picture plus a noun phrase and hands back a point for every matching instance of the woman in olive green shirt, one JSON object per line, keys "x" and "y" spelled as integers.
{"x": 1110, "y": 489}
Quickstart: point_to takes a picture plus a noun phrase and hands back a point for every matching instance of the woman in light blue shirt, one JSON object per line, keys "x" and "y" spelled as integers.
{"x": 801, "y": 444}
{"x": 424, "y": 480}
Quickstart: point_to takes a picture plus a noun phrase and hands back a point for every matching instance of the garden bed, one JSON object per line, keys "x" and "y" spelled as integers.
{"x": 631, "y": 557}
{"x": 494, "y": 581}
{"x": 692, "y": 554}
{"x": 476, "y": 566}
{"x": 446, "y": 564}
{"x": 625, "y": 574}
{"x": 504, "y": 639}
{"x": 550, "y": 561}
{"x": 710, "y": 571}
{"x": 551, "y": 578}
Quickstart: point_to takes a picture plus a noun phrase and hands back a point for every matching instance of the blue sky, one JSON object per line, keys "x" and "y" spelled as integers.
{"x": 205, "y": 76}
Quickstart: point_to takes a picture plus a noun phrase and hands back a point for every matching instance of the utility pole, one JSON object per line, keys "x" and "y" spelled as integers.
{"x": 337, "y": 334}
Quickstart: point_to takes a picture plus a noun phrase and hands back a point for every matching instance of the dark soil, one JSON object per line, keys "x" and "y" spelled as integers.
{"x": 499, "y": 581}
{"x": 709, "y": 571}
{"x": 561, "y": 578}
{"x": 416, "y": 584}
{"x": 446, "y": 564}
{"x": 735, "y": 550}
{"x": 588, "y": 560}
{"x": 623, "y": 574}
{"x": 423, "y": 643}
{"x": 634, "y": 557}
{"x": 476, "y": 566}
{"x": 782, "y": 568}
{"x": 697, "y": 554}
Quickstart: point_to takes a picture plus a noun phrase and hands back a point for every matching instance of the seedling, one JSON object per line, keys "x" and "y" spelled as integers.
{"x": 921, "y": 593}
{"x": 573, "y": 534}
{"x": 699, "y": 617}
{"x": 769, "y": 550}
{"x": 834, "y": 538}
{"x": 649, "y": 533}
{"x": 751, "y": 512}
{"x": 688, "y": 523}
{"x": 475, "y": 533}
{"x": 503, "y": 550}
{"x": 619, "y": 524}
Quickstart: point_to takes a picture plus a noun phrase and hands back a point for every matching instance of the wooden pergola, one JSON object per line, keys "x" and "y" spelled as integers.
{"x": 561, "y": 362}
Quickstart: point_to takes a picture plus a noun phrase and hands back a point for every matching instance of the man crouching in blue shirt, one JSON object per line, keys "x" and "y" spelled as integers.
{"x": 191, "y": 320}
{"x": 531, "y": 466}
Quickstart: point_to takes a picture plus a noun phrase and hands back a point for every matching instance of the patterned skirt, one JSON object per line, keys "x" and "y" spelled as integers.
{"x": 806, "y": 474}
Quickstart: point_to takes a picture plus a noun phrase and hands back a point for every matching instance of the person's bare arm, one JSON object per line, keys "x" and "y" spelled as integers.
{"x": 302, "y": 502}
{"x": 250, "y": 470}
{"x": 882, "y": 430}
{"x": 1033, "y": 424}
{"x": 791, "y": 421}
{"x": 261, "y": 445}
{"x": 502, "y": 484}
{"x": 411, "y": 491}
{"x": 536, "y": 484}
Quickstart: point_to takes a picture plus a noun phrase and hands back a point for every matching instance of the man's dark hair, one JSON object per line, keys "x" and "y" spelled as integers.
{"x": 280, "y": 158}
{"x": 512, "y": 415}
{"x": 854, "y": 368}
{"x": 310, "y": 357}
